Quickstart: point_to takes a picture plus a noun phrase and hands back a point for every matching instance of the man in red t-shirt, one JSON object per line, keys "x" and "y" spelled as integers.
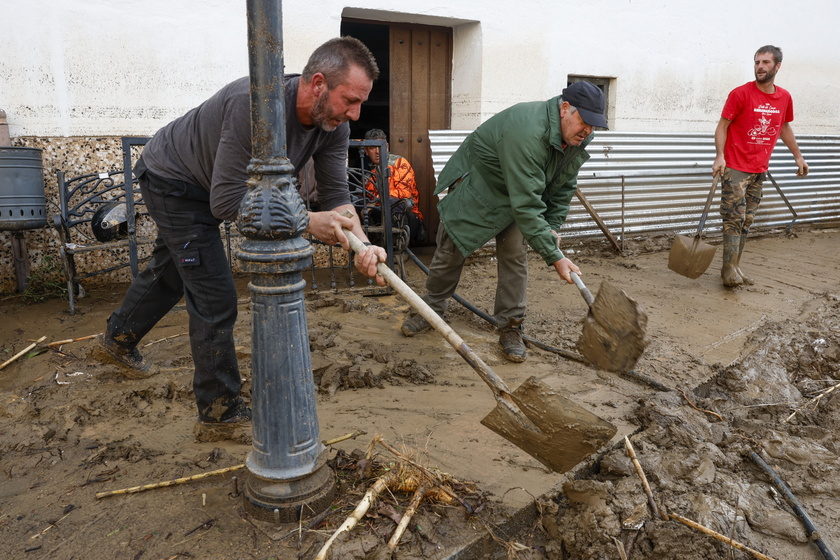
{"x": 755, "y": 115}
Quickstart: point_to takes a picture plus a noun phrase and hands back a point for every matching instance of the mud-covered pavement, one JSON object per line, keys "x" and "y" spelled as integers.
{"x": 739, "y": 363}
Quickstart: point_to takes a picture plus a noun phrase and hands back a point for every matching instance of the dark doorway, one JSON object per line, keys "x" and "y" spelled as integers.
{"x": 411, "y": 96}
{"x": 375, "y": 111}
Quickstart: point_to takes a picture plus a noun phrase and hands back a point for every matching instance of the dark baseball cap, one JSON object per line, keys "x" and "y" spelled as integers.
{"x": 589, "y": 101}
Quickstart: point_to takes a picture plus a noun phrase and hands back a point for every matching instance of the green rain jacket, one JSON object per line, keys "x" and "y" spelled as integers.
{"x": 512, "y": 168}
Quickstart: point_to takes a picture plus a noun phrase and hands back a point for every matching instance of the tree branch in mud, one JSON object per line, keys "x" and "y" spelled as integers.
{"x": 695, "y": 407}
{"x": 69, "y": 340}
{"x": 23, "y": 352}
{"x": 406, "y": 518}
{"x": 681, "y": 519}
{"x": 361, "y": 509}
{"x": 814, "y": 401}
{"x": 165, "y": 483}
{"x": 718, "y": 536}
{"x": 651, "y": 501}
{"x": 433, "y": 478}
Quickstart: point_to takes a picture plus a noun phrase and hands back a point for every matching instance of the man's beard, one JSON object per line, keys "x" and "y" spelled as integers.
{"x": 321, "y": 115}
{"x": 768, "y": 77}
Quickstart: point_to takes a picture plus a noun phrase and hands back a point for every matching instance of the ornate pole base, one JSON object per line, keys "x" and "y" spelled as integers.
{"x": 290, "y": 501}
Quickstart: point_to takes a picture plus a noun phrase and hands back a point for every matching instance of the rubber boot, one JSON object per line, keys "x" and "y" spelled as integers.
{"x": 729, "y": 270}
{"x": 746, "y": 279}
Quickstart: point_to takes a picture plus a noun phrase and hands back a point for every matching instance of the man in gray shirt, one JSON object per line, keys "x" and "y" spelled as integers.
{"x": 193, "y": 175}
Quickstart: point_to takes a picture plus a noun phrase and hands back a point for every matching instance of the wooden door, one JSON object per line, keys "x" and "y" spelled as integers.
{"x": 420, "y": 78}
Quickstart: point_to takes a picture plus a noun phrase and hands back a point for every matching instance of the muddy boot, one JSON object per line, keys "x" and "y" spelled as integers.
{"x": 510, "y": 338}
{"x": 132, "y": 364}
{"x": 234, "y": 426}
{"x": 415, "y": 324}
{"x": 729, "y": 270}
{"x": 747, "y": 280}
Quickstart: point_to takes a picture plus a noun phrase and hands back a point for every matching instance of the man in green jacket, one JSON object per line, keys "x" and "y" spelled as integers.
{"x": 513, "y": 178}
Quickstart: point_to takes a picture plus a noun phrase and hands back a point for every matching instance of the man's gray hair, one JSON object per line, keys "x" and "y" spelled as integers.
{"x": 334, "y": 59}
{"x": 375, "y": 134}
{"x": 572, "y": 108}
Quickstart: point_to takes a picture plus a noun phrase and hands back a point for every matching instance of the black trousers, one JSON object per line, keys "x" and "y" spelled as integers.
{"x": 188, "y": 261}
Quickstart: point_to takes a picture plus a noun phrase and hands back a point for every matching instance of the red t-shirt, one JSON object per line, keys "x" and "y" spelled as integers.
{"x": 757, "y": 120}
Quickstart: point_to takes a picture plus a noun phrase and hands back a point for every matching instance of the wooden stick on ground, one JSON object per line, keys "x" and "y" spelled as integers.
{"x": 361, "y": 509}
{"x": 814, "y": 400}
{"x": 23, "y": 352}
{"x": 721, "y": 538}
{"x": 651, "y": 501}
{"x": 163, "y": 339}
{"x": 695, "y": 407}
{"x": 166, "y": 483}
{"x": 339, "y": 439}
{"x": 406, "y": 518}
{"x": 69, "y": 340}
{"x": 135, "y": 489}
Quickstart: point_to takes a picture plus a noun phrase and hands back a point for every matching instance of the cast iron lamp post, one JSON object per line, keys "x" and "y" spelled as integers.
{"x": 288, "y": 476}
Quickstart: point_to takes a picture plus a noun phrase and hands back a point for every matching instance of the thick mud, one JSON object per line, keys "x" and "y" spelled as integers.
{"x": 730, "y": 373}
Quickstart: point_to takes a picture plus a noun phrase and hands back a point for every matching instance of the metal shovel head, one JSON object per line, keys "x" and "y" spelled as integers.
{"x": 548, "y": 426}
{"x": 689, "y": 256}
{"x": 613, "y": 336}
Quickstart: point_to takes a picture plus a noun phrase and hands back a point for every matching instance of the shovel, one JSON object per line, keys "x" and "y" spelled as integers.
{"x": 613, "y": 336}
{"x": 552, "y": 429}
{"x": 691, "y": 257}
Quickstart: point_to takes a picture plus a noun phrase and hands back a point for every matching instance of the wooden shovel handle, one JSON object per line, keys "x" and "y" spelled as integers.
{"x": 584, "y": 291}
{"x": 499, "y": 387}
{"x": 708, "y": 205}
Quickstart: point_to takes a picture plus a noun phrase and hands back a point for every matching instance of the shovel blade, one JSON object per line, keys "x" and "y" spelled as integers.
{"x": 613, "y": 336}
{"x": 548, "y": 426}
{"x": 690, "y": 257}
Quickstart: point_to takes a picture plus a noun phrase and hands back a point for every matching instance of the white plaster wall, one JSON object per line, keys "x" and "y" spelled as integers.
{"x": 117, "y": 67}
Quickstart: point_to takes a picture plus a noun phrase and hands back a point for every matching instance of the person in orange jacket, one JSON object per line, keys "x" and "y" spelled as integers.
{"x": 402, "y": 185}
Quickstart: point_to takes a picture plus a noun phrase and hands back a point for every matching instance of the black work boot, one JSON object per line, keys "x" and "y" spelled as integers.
{"x": 729, "y": 269}
{"x": 235, "y": 425}
{"x": 415, "y": 324}
{"x": 747, "y": 280}
{"x": 510, "y": 338}
{"x": 132, "y": 364}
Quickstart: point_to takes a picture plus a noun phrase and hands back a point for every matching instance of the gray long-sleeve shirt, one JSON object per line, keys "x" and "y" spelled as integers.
{"x": 210, "y": 146}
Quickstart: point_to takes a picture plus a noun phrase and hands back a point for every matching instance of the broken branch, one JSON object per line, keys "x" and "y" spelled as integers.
{"x": 814, "y": 400}
{"x": 426, "y": 472}
{"x": 163, "y": 339}
{"x": 406, "y": 518}
{"x": 361, "y": 509}
{"x": 651, "y": 501}
{"x": 692, "y": 405}
{"x": 23, "y": 352}
{"x": 354, "y": 435}
{"x": 164, "y": 484}
{"x": 718, "y": 536}
{"x": 69, "y": 340}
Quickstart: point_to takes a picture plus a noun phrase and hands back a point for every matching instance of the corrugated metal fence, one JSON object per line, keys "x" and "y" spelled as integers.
{"x": 643, "y": 183}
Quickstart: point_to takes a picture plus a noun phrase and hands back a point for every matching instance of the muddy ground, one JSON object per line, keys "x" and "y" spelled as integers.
{"x": 743, "y": 367}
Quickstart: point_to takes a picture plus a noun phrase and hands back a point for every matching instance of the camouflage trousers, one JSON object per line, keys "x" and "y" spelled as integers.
{"x": 740, "y": 198}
